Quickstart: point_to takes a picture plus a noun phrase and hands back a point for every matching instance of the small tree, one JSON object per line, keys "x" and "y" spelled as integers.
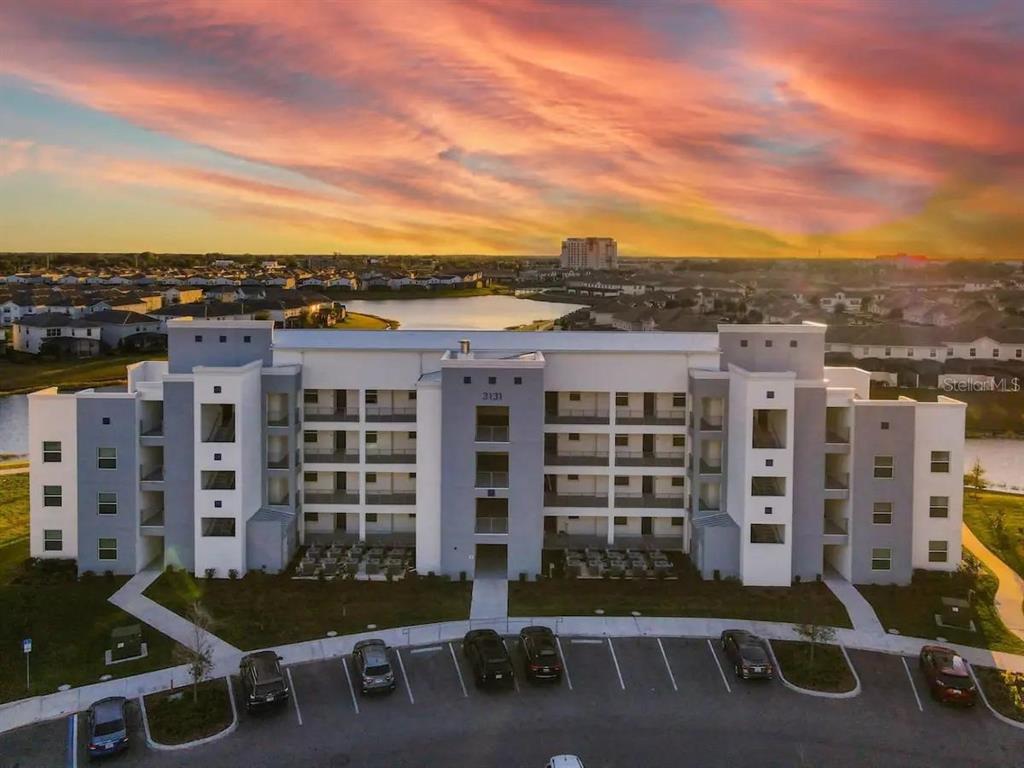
{"x": 815, "y": 635}
{"x": 975, "y": 479}
{"x": 996, "y": 520}
{"x": 198, "y": 656}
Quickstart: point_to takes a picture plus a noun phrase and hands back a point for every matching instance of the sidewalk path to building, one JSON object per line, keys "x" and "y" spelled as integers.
{"x": 490, "y": 597}
{"x": 130, "y": 599}
{"x": 19, "y": 713}
{"x": 861, "y": 613}
{"x": 1010, "y": 594}
{"x": 14, "y": 471}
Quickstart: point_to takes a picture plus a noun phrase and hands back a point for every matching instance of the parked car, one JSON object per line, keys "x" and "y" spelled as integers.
{"x": 488, "y": 657}
{"x": 541, "y": 652}
{"x": 372, "y": 666}
{"x": 565, "y": 761}
{"x": 747, "y": 653}
{"x": 107, "y": 725}
{"x": 948, "y": 677}
{"x": 262, "y": 680}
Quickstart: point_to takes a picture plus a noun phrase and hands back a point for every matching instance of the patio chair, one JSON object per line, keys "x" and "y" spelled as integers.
{"x": 372, "y": 567}
{"x": 306, "y": 569}
{"x": 329, "y": 570}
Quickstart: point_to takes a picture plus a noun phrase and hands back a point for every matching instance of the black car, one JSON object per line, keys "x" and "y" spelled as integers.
{"x": 262, "y": 680}
{"x": 541, "y": 651}
{"x": 748, "y": 654}
{"x": 107, "y": 727}
{"x": 488, "y": 657}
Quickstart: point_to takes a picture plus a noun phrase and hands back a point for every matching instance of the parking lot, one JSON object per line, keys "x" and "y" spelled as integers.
{"x": 622, "y": 702}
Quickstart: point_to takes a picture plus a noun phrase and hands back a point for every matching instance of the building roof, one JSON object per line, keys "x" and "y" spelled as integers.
{"x": 120, "y": 317}
{"x": 54, "y": 320}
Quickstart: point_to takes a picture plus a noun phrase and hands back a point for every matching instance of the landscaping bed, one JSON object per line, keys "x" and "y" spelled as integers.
{"x": 825, "y": 670}
{"x": 175, "y": 717}
{"x": 261, "y": 610}
{"x": 1003, "y": 690}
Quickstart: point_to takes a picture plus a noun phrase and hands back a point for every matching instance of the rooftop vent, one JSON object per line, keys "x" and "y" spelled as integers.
{"x": 464, "y": 347}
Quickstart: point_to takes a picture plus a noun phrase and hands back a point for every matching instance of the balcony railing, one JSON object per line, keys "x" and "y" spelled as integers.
{"x": 486, "y": 433}
{"x": 766, "y": 438}
{"x": 390, "y": 497}
{"x": 575, "y": 500}
{"x": 151, "y": 517}
{"x": 331, "y": 457}
{"x": 578, "y": 458}
{"x": 277, "y": 419}
{"x": 661, "y": 416}
{"x": 711, "y": 423}
{"x": 329, "y": 413}
{"x": 627, "y": 499}
{"x": 278, "y": 462}
{"x": 331, "y": 497}
{"x": 492, "y": 479}
{"x": 837, "y": 435}
{"x": 647, "y": 459}
{"x": 219, "y": 481}
{"x": 709, "y": 505}
{"x": 152, "y": 473}
{"x": 711, "y": 467}
{"x": 381, "y": 413}
{"x": 491, "y": 525}
{"x": 836, "y": 526}
{"x": 391, "y": 456}
{"x": 837, "y": 481}
{"x": 577, "y": 416}
{"x": 767, "y": 486}
{"x": 154, "y": 430}
{"x": 221, "y": 432}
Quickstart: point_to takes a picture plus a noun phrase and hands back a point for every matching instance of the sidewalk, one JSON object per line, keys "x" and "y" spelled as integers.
{"x": 859, "y": 609}
{"x": 1009, "y": 599}
{"x": 490, "y": 597}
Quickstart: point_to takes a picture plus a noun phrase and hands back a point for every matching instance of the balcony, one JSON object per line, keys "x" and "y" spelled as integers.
{"x": 648, "y": 459}
{"x": 391, "y": 456}
{"x": 491, "y": 433}
{"x": 577, "y": 458}
{"x": 340, "y": 496}
{"x": 666, "y": 416}
{"x": 152, "y": 474}
{"x": 491, "y": 479}
{"x": 331, "y": 457}
{"x": 837, "y": 435}
{"x": 151, "y": 518}
{"x": 218, "y": 481}
{"x": 383, "y": 413}
{"x": 575, "y": 500}
{"x": 767, "y": 486}
{"x": 836, "y": 526}
{"x": 277, "y": 462}
{"x": 711, "y": 424}
{"x": 711, "y": 466}
{"x": 709, "y": 505}
{"x": 390, "y": 497}
{"x": 153, "y": 430}
{"x": 625, "y": 500}
{"x": 277, "y": 419}
{"x": 577, "y": 416}
{"x": 329, "y": 413}
{"x": 838, "y": 481}
{"x": 491, "y": 525}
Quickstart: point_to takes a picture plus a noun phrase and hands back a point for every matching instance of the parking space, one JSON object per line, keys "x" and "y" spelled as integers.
{"x": 434, "y": 674}
{"x": 591, "y": 665}
{"x": 697, "y": 667}
{"x": 320, "y": 693}
{"x": 645, "y": 670}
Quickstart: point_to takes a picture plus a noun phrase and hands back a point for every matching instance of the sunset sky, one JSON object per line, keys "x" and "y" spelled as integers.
{"x": 757, "y": 128}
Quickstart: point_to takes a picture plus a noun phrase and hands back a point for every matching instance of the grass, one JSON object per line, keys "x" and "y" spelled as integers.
{"x": 826, "y": 670}
{"x": 261, "y": 610}
{"x": 687, "y": 596}
{"x": 911, "y": 609}
{"x": 997, "y": 519}
{"x": 175, "y": 718}
{"x": 13, "y": 507}
{"x": 14, "y": 463}
{"x": 355, "y": 321}
{"x": 25, "y": 373}
{"x": 1004, "y": 691}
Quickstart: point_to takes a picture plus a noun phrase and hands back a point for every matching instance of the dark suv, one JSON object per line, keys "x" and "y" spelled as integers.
{"x": 747, "y": 653}
{"x": 262, "y": 680}
{"x": 488, "y": 657}
{"x": 373, "y": 669}
{"x": 541, "y": 652}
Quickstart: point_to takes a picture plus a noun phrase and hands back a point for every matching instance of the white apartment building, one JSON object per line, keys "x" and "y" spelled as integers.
{"x": 583, "y": 253}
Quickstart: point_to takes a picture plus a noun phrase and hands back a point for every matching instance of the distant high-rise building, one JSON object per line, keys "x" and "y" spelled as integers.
{"x": 590, "y": 253}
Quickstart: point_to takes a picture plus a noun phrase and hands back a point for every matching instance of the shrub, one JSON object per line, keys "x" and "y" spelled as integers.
{"x": 210, "y": 573}
{"x": 522, "y": 576}
{"x": 462, "y": 575}
{"x": 232, "y": 573}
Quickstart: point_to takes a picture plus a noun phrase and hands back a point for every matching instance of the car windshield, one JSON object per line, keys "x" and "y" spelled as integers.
{"x": 375, "y": 670}
{"x": 547, "y": 653}
{"x": 109, "y": 727}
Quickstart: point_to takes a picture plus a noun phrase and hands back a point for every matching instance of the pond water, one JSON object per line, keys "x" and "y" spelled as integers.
{"x": 477, "y": 313}
{"x": 1003, "y": 461}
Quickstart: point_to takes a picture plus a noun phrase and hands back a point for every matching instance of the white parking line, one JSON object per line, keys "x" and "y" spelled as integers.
{"x": 426, "y": 649}
{"x": 351, "y": 688}
{"x": 295, "y": 695}
{"x": 405, "y": 677}
{"x": 616, "y": 660}
{"x": 668, "y": 667}
{"x": 458, "y": 671}
{"x": 586, "y": 641}
{"x": 912, "y": 686}
{"x": 565, "y": 663}
{"x": 718, "y": 664}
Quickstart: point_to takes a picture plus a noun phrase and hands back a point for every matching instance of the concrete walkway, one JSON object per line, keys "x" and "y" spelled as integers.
{"x": 1009, "y": 600}
{"x": 859, "y": 609}
{"x": 490, "y": 597}
{"x": 14, "y": 471}
{"x": 130, "y": 599}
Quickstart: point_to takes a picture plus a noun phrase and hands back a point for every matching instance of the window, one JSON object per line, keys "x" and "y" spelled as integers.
{"x": 371, "y": 397}
{"x": 51, "y": 451}
{"x": 247, "y": 339}
{"x": 621, "y": 520}
{"x": 974, "y": 352}
{"x": 771, "y": 394}
{"x": 938, "y": 506}
{"x": 678, "y": 399}
{"x": 371, "y": 477}
{"x": 574, "y": 437}
{"x": 199, "y": 339}
{"x": 310, "y": 396}
{"x": 768, "y": 510}
{"x": 467, "y": 379}
{"x": 677, "y": 482}
{"x": 217, "y": 389}
{"x": 572, "y": 477}
{"x": 885, "y": 426}
{"x": 792, "y": 343}
{"x": 371, "y": 438}
{"x": 310, "y": 477}
{"x": 574, "y": 397}
{"x": 53, "y": 540}
{"x": 517, "y": 380}
{"x": 52, "y": 496}
{"x": 309, "y": 436}
{"x": 881, "y": 513}
{"x": 106, "y": 503}
{"x": 938, "y": 551}
{"x": 767, "y": 533}
{"x": 621, "y": 480}
{"x": 371, "y": 517}
{"x": 311, "y": 517}
{"x": 218, "y": 504}
{"x": 932, "y": 353}
{"x": 768, "y": 343}
{"x": 107, "y": 549}
{"x": 888, "y": 351}
{"x": 223, "y": 339}
{"x": 1020, "y": 352}
{"x": 769, "y": 462}
{"x": 492, "y": 379}
{"x": 743, "y": 342}
{"x": 884, "y": 467}
{"x": 940, "y": 461}
{"x": 412, "y": 475}
{"x": 622, "y": 399}
{"x": 106, "y": 458}
{"x": 412, "y": 394}
{"x": 881, "y": 559}
{"x": 218, "y": 526}
{"x": 217, "y": 457}
{"x": 678, "y": 441}
{"x": 675, "y": 521}
{"x": 995, "y": 352}
{"x": 621, "y": 441}
{"x": 411, "y": 435}
{"x": 106, "y": 421}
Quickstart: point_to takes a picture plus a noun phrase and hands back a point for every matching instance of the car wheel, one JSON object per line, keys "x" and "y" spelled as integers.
{"x": 738, "y": 671}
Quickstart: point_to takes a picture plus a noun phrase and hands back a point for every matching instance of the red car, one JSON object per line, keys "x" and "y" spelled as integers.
{"x": 947, "y": 676}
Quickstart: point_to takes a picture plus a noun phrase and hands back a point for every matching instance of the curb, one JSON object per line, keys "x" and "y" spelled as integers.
{"x": 855, "y": 691}
{"x": 152, "y": 744}
{"x": 984, "y": 698}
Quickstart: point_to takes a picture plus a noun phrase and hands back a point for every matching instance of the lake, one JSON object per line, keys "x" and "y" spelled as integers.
{"x": 477, "y": 313}
{"x": 1003, "y": 461}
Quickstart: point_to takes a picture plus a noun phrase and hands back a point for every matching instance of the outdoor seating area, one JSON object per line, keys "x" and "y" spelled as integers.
{"x": 595, "y": 563}
{"x": 355, "y": 561}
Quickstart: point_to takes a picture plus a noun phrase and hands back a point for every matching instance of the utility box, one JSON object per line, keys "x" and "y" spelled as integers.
{"x": 126, "y": 642}
{"x": 957, "y": 613}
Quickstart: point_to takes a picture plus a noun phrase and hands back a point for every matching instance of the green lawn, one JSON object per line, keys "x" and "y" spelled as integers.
{"x": 262, "y": 610}
{"x": 825, "y": 670}
{"x": 25, "y": 373}
{"x": 1004, "y": 691}
{"x": 687, "y": 596}
{"x": 175, "y": 717}
{"x": 997, "y": 519}
{"x": 354, "y": 321}
{"x": 13, "y": 507}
